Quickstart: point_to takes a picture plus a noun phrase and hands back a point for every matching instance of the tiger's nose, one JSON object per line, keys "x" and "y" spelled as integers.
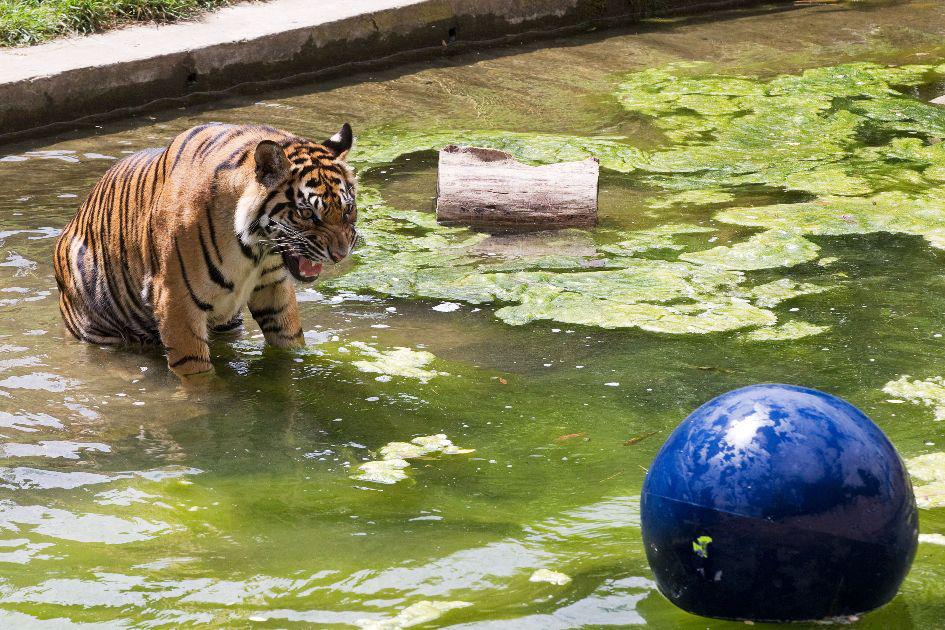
{"x": 336, "y": 255}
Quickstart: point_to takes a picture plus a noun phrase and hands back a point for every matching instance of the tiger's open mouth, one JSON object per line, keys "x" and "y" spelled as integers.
{"x": 301, "y": 268}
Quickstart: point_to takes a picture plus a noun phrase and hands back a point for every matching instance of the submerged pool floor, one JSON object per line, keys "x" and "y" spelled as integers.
{"x": 772, "y": 210}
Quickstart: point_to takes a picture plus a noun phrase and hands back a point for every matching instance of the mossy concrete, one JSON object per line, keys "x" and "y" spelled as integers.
{"x": 249, "y": 47}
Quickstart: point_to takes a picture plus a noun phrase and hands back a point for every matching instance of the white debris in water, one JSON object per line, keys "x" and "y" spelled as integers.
{"x": 932, "y": 539}
{"x": 929, "y": 392}
{"x": 414, "y": 615}
{"x": 401, "y": 450}
{"x": 387, "y": 471}
{"x": 551, "y": 577}
{"x": 612, "y": 384}
{"x": 446, "y": 307}
{"x": 392, "y": 466}
{"x": 397, "y": 361}
{"x": 928, "y": 473}
{"x": 441, "y": 443}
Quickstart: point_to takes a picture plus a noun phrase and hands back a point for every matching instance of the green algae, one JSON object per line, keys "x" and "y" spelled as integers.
{"x": 398, "y": 361}
{"x": 659, "y": 237}
{"x": 392, "y": 465}
{"x": 377, "y": 147}
{"x": 787, "y": 331}
{"x": 928, "y": 392}
{"x": 773, "y": 293}
{"x": 700, "y": 546}
{"x": 691, "y": 197}
{"x": 801, "y": 133}
{"x": 894, "y": 211}
{"x": 406, "y": 256}
{"x": 699, "y": 318}
{"x": 928, "y": 472}
{"x": 774, "y": 248}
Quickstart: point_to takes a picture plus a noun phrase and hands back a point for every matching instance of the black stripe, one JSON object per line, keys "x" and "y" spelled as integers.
{"x": 306, "y": 170}
{"x": 220, "y": 139}
{"x": 189, "y": 358}
{"x": 203, "y": 306}
{"x": 213, "y": 234}
{"x": 269, "y": 270}
{"x": 267, "y": 312}
{"x": 187, "y": 139}
{"x": 232, "y": 324}
{"x": 270, "y": 284}
{"x": 215, "y": 274}
{"x": 247, "y": 250}
{"x": 228, "y": 164}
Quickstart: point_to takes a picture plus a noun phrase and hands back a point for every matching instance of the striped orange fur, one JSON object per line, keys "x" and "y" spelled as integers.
{"x": 172, "y": 243}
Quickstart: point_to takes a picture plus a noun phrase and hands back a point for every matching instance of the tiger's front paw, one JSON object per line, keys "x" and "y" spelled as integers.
{"x": 190, "y": 365}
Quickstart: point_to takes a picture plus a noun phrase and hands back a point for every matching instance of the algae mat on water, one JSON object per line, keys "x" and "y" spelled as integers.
{"x": 846, "y": 148}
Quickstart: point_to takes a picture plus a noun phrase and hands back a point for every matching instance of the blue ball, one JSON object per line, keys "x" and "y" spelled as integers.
{"x": 778, "y": 503}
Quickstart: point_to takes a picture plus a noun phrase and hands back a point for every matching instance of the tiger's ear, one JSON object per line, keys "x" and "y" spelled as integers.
{"x": 272, "y": 165}
{"x": 340, "y": 143}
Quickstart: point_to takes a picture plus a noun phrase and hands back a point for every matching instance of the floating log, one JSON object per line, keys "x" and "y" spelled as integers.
{"x": 488, "y": 188}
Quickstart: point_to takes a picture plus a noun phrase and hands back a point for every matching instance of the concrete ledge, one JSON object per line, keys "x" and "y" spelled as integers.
{"x": 249, "y": 47}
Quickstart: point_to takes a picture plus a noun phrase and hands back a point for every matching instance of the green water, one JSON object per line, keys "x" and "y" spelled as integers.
{"x": 126, "y": 501}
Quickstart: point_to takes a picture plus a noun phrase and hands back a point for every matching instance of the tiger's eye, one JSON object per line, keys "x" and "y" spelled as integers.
{"x": 305, "y": 213}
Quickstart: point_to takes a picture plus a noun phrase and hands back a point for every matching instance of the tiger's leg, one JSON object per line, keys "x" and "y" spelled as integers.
{"x": 231, "y": 327}
{"x": 183, "y": 327}
{"x": 275, "y": 309}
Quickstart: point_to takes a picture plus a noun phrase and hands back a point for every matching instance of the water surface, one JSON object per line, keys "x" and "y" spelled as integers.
{"x": 126, "y": 501}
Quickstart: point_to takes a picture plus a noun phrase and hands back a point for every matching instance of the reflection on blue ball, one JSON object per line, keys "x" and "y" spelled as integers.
{"x": 778, "y": 503}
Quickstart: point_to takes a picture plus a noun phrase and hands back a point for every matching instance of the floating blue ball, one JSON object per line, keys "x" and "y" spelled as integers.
{"x": 778, "y": 503}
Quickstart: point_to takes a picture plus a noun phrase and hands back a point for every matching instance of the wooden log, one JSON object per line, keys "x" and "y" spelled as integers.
{"x": 488, "y": 188}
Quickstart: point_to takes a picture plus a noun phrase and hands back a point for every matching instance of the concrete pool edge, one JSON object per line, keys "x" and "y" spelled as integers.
{"x": 76, "y": 82}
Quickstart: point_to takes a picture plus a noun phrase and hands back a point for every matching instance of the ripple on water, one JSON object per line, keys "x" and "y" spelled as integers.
{"x": 85, "y": 527}
{"x": 22, "y": 265}
{"x": 14, "y": 619}
{"x": 27, "y": 421}
{"x": 22, "y": 551}
{"x": 26, "y": 478}
{"x": 31, "y": 295}
{"x": 489, "y": 566}
{"x": 39, "y": 381}
{"x": 37, "y": 233}
{"x": 54, "y": 449}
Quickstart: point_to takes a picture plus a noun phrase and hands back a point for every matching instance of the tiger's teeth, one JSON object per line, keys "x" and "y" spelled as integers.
{"x": 308, "y": 268}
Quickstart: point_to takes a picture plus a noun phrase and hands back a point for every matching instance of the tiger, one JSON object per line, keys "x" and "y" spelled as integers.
{"x": 171, "y": 244}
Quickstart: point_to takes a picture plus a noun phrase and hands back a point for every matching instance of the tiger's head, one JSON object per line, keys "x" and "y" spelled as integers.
{"x": 310, "y": 212}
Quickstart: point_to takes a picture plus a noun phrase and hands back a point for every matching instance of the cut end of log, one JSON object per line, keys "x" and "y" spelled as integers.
{"x": 490, "y": 189}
